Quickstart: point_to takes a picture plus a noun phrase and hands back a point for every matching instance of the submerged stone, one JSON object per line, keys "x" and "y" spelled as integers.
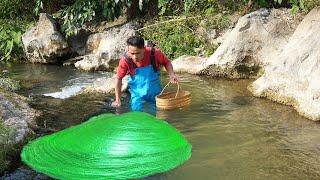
{"x": 107, "y": 146}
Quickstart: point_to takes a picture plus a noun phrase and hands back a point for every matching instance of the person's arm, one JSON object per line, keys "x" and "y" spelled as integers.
{"x": 163, "y": 60}
{"x": 117, "y": 89}
{"x": 121, "y": 72}
{"x": 173, "y": 77}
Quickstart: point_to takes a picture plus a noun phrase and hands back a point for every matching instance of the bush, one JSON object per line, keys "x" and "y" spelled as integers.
{"x": 16, "y": 9}
{"x": 10, "y": 38}
{"x": 4, "y": 133}
{"x": 178, "y": 36}
{"x": 177, "y": 7}
{"x": 175, "y": 32}
{"x": 9, "y": 84}
{"x": 81, "y": 11}
{"x": 310, "y": 4}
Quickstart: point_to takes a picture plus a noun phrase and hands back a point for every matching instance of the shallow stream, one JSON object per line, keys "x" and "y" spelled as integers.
{"x": 234, "y": 135}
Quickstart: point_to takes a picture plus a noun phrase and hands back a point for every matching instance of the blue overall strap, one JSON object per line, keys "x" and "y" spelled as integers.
{"x": 129, "y": 60}
{"x": 153, "y": 59}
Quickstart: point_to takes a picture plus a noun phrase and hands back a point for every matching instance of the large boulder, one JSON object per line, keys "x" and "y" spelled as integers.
{"x": 77, "y": 42}
{"x": 103, "y": 50}
{"x": 249, "y": 46}
{"x": 16, "y": 122}
{"x": 17, "y": 116}
{"x": 44, "y": 43}
{"x": 294, "y": 78}
{"x": 188, "y": 64}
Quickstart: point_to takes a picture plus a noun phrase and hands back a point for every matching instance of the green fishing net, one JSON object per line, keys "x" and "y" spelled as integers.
{"x": 107, "y": 146}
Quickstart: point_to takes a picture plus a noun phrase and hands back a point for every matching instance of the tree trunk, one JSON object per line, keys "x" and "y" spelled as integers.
{"x": 149, "y": 9}
{"x": 249, "y": 6}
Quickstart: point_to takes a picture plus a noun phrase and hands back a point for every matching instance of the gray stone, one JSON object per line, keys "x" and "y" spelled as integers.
{"x": 188, "y": 64}
{"x": 17, "y": 116}
{"x": 25, "y": 174}
{"x": 104, "y": 49}
{"x": 249, "y": 46}
{"x": 44, "y": 43}
{"x": 293, "y": 78}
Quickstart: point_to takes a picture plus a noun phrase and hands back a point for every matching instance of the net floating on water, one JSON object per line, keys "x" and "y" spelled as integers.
{"x": 107, "y": 146}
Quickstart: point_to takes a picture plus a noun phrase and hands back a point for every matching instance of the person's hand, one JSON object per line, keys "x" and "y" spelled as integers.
{"x": 116, "y": 104}
{"x": 174, "y": 79}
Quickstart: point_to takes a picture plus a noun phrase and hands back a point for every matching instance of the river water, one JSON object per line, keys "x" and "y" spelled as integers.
{"x": 234, "y": 135}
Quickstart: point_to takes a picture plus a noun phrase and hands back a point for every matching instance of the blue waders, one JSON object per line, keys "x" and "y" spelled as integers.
{"x": 144, "y": 86}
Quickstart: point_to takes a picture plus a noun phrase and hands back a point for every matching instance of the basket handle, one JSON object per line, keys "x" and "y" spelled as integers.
{"x": 167, "y": 86}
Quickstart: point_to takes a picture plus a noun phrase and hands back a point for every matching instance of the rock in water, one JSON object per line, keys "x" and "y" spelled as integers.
{"x": 107, "y": 146}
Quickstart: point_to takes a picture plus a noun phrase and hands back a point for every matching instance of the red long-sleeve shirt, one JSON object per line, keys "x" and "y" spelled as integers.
{"x": 125, "y": 68}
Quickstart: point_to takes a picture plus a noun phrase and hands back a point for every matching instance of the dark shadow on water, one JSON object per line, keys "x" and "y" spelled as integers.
{"x": 241, "y": 100}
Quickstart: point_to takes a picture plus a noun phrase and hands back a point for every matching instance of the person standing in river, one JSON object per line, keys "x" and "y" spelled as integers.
{"x": 143, "y": 65}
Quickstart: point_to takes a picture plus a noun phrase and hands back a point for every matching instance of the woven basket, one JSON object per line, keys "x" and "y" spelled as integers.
{"x": 172, "y": 100}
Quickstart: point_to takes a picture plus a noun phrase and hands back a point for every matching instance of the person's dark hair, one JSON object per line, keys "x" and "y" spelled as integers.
{"x": 135, "y": 41}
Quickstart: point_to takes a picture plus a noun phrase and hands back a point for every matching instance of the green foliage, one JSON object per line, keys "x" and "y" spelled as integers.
{"x": 16, "y": 9}
{"x": 174, "y": 39}
{"x": 10, "y": 39}
{"x": 177, "y": 7}
{"x": 170, "y": 7}
{"x": 38, "y": 6}
{"x": 15, "y": 16}
{"x": 10, "y": 42}
{"x": 3, "y": 130}
{"x": 4, "y": 134}
{"x": 82, "y": 11}
{"x": 265, "y": 3}
{"x": 296, "y": 6}
{"x": 73, "y": 17}
{"x": 3, "y": 162}
{"x": 179, "y": 36}
{"x": 9, "y": 84}
{"x": 310, "y": 4}
{"x": 75, "y": 13}
{"x": 175, "y": 32}
{"x": 113, "y": 9}
{"x": 278, "y": 1}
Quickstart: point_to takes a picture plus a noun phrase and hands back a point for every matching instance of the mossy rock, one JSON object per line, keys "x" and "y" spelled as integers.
{"x": 9, "y": 84}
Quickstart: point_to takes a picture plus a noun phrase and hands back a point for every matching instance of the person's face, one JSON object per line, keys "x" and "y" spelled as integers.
{"x": 136, "y": 53}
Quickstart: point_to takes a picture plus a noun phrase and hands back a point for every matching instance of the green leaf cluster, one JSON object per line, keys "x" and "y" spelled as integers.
{"x": 310, "y": 4}
{"x": 178, "y": 35}
{"x": 10, "y": 39}
{"x": 9, "y": 84}
{"x": 4, "y": 134}
{"x": 73, "y": 14}
{"x": 82, "y": 11}
{"x": 177, "y": 7}
{"x": 296, "y": 6}
{"x": 16, "y": 9}
{"x": 73, "y": 17}
{"x": 175, "y": 30}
